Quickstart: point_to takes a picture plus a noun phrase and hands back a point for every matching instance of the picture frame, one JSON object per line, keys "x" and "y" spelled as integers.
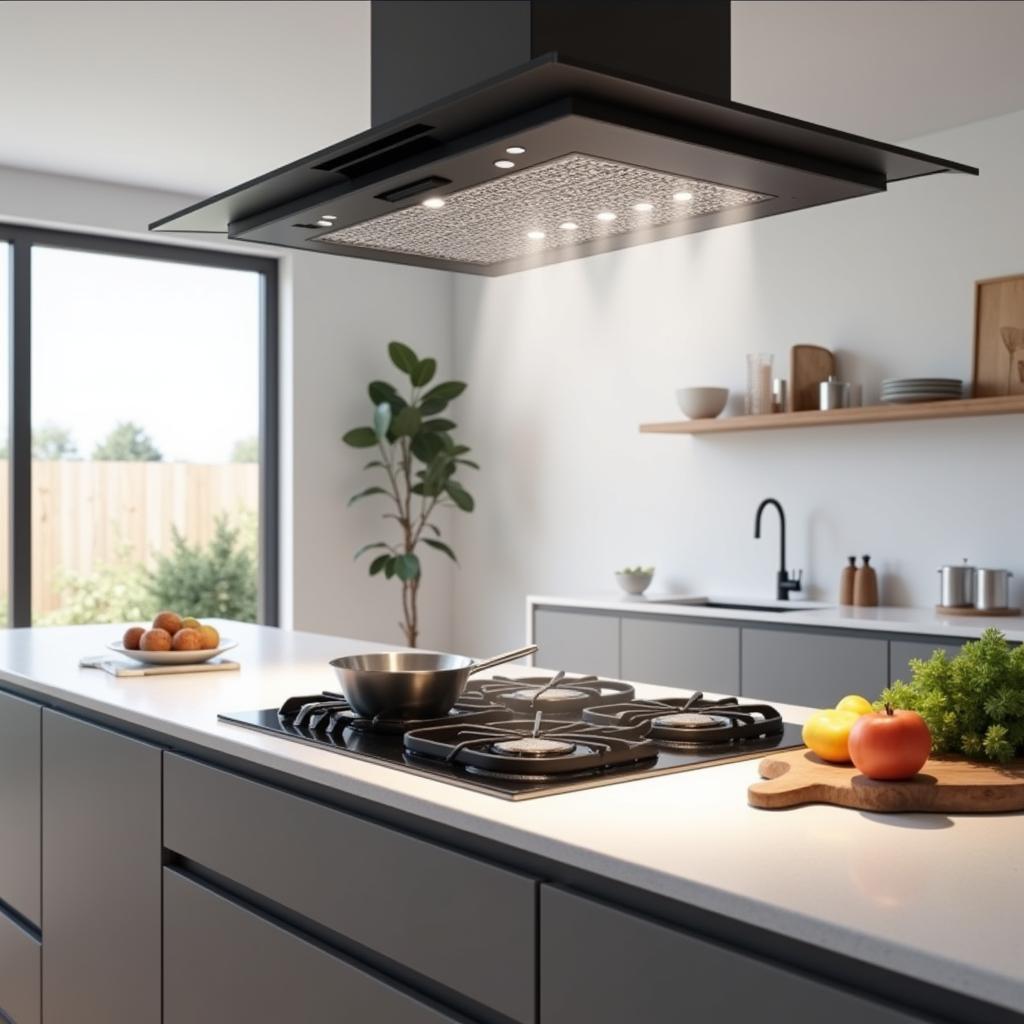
{"x": 999, "y": 337}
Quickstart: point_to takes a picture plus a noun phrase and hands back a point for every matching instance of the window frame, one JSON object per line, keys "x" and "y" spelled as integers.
{"x": 21, "y": 239}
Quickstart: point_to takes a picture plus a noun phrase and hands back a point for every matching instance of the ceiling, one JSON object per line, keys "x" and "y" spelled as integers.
{"x": 196, "y": 97}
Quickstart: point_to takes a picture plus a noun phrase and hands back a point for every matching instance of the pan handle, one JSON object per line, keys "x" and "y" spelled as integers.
{"x": 501, "y": 659}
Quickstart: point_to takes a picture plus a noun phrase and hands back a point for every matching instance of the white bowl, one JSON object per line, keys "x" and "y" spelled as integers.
{"x": 634, "y": 582}
{"x": 173, "y": 657}
{"x": 702, "y": 403}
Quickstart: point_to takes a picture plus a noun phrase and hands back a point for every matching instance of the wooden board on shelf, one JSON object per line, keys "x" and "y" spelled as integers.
{"x": 809, "y": 365}
{"x": 954, "y": 408}
{"x": 946, "y": 785}
{"x": 947, "y": 610}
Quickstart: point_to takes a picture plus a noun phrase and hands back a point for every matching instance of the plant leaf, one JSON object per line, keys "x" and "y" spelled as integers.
{"x": 436, "y": 426}
{"x": 389, "y": 566}
{"x": 381, "y": 420}
{"x": 407, "y": 567}
{"x": 381, "y": 391}
{"x": 368, "y": 547}
{"x": 467, "y": 462}
{"x": 375, "y": 464}
{"x": 440, "y": 395}
{"x": 423, "y": 372}
{"x": 460, "y": 495}
{"x": 406, "y": 423}
{"x": 403, "y": 357}
{"x": 427, "y": 447}
{"x": 431, "y": 526}
{"x": 441, "y": 547}
{"x": 366, "y": 494}
{"x": 360, "y": 437}
{"x": 378, "y": 564}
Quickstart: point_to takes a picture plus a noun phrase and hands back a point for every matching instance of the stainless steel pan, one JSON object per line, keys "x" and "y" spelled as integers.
{"x": 410, "y": 684}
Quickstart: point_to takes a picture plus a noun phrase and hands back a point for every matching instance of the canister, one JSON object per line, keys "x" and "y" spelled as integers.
{"x": 957, "y": 585}
{"x": 992, "y": 592}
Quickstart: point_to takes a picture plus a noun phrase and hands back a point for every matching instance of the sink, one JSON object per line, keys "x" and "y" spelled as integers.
{"x": 780, "y": 607}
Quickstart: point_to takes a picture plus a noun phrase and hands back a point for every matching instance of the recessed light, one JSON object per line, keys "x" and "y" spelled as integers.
{"x": 606, "y": 215}
{"x": 535, "y": 235}
{"x": 569, "y": 225}
{"x": 515, "y": 150}
{"x": 328, "y": 216}
{"x": 505, "y": 164}
{"x": 433, "y": 203}
{"x": 682, "y": 197}
{"x": 643, "y": 207}
{"x": 323, "y": 222}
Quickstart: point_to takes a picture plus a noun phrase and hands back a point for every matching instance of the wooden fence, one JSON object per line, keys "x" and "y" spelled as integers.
{"x": 85, "y": 514}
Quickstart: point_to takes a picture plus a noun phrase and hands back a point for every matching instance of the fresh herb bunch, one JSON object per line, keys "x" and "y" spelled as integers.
{"x": 973, "y": 703}
{"x": 419, "y": 460}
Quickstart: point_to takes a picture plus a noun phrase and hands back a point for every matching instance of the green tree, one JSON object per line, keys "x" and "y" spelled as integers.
{"x": 127, "y": 442}
{"x": 246, "y": 450}
{"x": 50, "y": 442}
{"x": 218, "y": 581}
{"x": 114, "y": 592}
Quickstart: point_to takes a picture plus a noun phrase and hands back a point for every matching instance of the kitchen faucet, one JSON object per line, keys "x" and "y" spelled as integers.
{"x": 785, "y": 581}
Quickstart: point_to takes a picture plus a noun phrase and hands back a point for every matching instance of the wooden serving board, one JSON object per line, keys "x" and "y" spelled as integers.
{"x": 948, "y": 785}
{"x": 981, "y": 612}
{"x": 809, "y": 365}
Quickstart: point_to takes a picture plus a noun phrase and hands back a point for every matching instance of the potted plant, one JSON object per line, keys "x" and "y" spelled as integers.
{"x": 418, "y": 463}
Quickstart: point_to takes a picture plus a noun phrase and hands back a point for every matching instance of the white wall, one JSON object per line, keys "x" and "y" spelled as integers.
{"x": 565, "y": 362}
{"x": 337, "y": 317}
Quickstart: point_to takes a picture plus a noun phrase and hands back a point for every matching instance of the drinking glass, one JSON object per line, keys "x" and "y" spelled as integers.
{"x": 759, "y": 383}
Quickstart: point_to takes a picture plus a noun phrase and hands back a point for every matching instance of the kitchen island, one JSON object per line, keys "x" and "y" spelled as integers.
{"x": 192, "y": 870}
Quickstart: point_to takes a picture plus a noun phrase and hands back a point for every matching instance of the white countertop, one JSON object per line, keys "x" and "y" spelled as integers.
{"x": 929, "y": 896}
{"x": 919, "y": 621}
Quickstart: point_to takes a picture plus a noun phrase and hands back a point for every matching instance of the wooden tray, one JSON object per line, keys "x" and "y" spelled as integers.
{"x": 949, "y": 610}
{"x": 809, "y": 365}
{"x": 949, "y": 785}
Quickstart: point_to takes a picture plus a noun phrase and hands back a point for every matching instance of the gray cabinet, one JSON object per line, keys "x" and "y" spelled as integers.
{"x": 813, "y": 668}
{"x": 20, "y": 805}
{"x": 413, "y": 902}
{"x": 101, "y": 875}
{"x": 577, "y": 641}
{"x": 19, "y": 973}
{"x": 902, "y": 651}
{"x": 605, "y": 966}
{"x": 692, "y": 655}
{"x": 226, "y": 964}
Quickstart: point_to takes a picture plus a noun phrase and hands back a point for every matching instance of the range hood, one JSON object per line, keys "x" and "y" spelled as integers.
{"x": 513, "y": 133}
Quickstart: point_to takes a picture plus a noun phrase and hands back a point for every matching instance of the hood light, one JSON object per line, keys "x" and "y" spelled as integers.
{"x": 535, "y": 235}
{"x": 682, "y": 197}
{"x": 515, "y": 150}
{"x": 643, "y": 207}
{"x": 505, "y": 165}
{"x": 606, "y": 215}
{"x": 433, "y": 203}
{"x": 569, "y": 225}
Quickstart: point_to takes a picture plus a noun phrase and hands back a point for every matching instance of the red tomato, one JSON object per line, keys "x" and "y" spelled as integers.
{"x": 890, "y": 744}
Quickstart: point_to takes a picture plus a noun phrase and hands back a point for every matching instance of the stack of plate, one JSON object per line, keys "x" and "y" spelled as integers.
{"x": 921, "y": 389}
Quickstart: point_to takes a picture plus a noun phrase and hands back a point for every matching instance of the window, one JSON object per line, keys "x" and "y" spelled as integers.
{"x": 147, "y": 442}
{"x": 6, "y": 312}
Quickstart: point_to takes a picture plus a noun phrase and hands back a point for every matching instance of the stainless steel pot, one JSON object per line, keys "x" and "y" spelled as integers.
{"x": 410, "y": 684}
{"x": 993, "y": 589}
{"x": 957, "y": 583}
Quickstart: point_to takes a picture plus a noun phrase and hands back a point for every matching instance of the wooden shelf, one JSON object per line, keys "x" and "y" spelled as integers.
{"x": 837, "y": 417}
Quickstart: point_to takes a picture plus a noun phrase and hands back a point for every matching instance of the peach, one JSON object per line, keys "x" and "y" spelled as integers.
{"x": 187, "y": 640}
{"x": 169, "y": 621}
{"x": 131, "y": 637}
{"x": 210, "y": 638}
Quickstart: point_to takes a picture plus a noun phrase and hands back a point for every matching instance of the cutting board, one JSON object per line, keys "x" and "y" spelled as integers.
{"x": 947, "y": 785}
{"x": 809, "y": 365}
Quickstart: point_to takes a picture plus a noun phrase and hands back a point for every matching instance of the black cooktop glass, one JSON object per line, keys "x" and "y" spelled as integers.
{"x": 633, "y": 751}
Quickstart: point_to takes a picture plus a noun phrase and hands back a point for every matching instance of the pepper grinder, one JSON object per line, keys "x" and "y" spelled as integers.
{"x": 865, "y": 585}
{"x": 846, "y": 580}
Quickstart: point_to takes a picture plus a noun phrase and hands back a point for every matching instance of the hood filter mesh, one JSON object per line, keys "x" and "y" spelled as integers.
{"x": 524, "y": 212}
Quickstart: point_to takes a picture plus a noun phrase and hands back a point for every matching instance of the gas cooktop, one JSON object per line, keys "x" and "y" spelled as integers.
{"x": 537, "y": 736}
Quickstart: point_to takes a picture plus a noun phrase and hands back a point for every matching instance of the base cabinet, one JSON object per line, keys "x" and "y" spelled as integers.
{"x": 19, "y": 973}
{"x": 226, "y": 964}
{"x": 691, "y": 655}
{"x": 585, "y": 642}
{"x": 101, "y": 875}
{"x": 650, "y": 972}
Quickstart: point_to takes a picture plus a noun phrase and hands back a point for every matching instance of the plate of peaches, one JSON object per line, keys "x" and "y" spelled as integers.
{"x": 172, "y": 639}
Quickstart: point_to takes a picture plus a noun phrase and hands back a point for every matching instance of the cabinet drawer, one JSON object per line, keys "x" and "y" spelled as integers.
{"x": 224, "y": 964}
{"x": 812, "y": 668}
{"x": 416, "y": 904}
{"x": 902, "y": 651}
{"x": 693, "y": 656}
{"x": 19, "y": 973}
{"x": 650, "y": 972}
{"x": 577, "y": 641}
{"x": 20, "y": 805}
